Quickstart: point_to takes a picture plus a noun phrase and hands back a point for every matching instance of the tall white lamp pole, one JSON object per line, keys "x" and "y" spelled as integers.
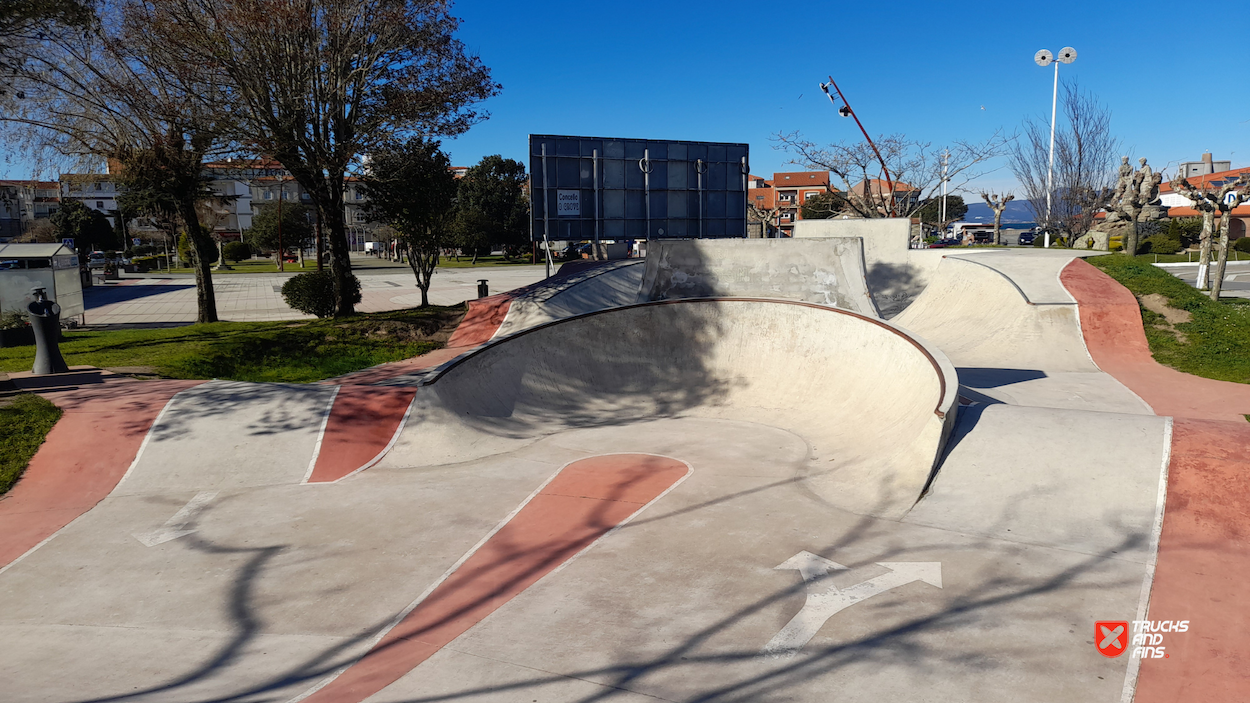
{"x": 1044, "y": 58}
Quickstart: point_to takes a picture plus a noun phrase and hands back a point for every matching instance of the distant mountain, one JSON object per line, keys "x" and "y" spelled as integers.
{"x": 1017, "y": 211}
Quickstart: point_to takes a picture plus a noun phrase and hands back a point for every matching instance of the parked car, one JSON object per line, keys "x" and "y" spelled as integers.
{"x": 1026, "y": 238}
{"x": 96, "y": 260}
{"x": 943, "y": 243}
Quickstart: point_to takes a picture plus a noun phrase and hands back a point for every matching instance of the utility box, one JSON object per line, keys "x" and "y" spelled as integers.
{"x": 53, "y": 267}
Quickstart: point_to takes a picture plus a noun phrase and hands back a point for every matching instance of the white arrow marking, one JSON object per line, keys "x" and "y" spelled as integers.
{"x": 822, "y": 604}
{"x": 174, "y": 526}
{"x": 812, "y": 567}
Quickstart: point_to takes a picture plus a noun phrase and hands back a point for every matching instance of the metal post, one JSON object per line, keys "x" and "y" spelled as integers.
{"x": 594, "y": 155}
{"x": 281, "y": 254}
{"x": 699, "y": 168}
{"x": 942, "y": 221}
{"x": 546, "y": 207}
{"x": 888, "y": 181}
{"x": 745, "y": 168}
{"x": 645, "y": 165}
{"x": 1050, "y": 170}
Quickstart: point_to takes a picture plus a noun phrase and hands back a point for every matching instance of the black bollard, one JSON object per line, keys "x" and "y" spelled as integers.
{"x": 482, "y": 289}
{"x": 45, "y": 318}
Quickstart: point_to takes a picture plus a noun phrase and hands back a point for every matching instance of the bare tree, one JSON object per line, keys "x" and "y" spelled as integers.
{"x": 1084, "y": 171}
{"x": 997, "y": 203}
{"x": 86, "y": 95}
{"x": 765, "y": 216}
{"x": 317, "y": 83}
{"x": 1209, "y": 202}
{"x": 916, "y": 168}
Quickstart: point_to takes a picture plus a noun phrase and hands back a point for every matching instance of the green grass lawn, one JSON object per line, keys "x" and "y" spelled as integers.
{"x": 482, "y": 261}
{"x": 1190, "y": 257}
{"x": 255, "y": 266}
{"x": 25, "y": 421}
{"x": 293, "y": 352}
{"x": 1216, "y": 340}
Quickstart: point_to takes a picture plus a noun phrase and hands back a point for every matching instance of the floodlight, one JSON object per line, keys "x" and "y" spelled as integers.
{"x": 1043, "y": 57}
{"x": 1067, "y": 54}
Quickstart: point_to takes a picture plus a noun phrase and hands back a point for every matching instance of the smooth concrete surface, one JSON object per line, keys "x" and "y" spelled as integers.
{"x": 1008, "y": 348}
{"x": 214, "y": 572}
{"x": 265, "y": 433}
{"x": 825, "y": 271}
{"x": 895, "y": 272}
{"x": 813, "y": 370}
{"x": 607, "y": 285}
{"x": 678, "y": 604}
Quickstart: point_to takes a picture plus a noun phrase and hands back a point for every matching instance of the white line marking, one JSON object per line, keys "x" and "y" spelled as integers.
{"x": 473, "y": 550}
{"x": 142, "y": 445}
{"x": 148, "y": 437}
{"x": 175, "y": 526}
{"x": 827, "y": 602}
{"x": 321, "y": 433}
{"x": 1143, "y": 602}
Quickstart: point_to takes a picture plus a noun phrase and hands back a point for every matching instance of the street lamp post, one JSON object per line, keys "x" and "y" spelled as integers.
{"x": 1044, "y": 58}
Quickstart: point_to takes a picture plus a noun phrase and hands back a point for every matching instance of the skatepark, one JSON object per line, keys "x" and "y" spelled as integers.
{"x": 822, "y": 468}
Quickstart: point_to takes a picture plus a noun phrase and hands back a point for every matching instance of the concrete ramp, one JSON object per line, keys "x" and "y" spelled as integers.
{"x": 873, "y": 403}
{"x": 1014, "y": 334}
{"x": 980, "y": 317}
{"x": 821, "y": 271}
{"x": 607, "y": 286}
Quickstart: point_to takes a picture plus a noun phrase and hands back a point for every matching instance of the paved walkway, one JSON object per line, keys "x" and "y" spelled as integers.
{"x": 1236, "y": 277}
{"x": 257, "y": 297}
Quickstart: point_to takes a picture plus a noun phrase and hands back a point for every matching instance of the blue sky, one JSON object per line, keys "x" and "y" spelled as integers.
{"x": 737, "y": 71}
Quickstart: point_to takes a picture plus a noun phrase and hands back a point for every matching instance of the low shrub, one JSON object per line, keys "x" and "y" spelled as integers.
{"x": 1158, "y": 244}
{"x": 237, "y": 251}
{"x": 313, "y": 292}
{"x": 1242, "y": 244}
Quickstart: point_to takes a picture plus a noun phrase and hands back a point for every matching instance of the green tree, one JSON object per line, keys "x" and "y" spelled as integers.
{"x": 492, "y": 205}
{"x": 88, "y": 228}
{"x": 825, "y": 206}
{"x": 316, "y": 84}
{"x": 411, "y": 188}
{"x": 297, "y": 228}
{"x": 931, "y": 210}
{"x": 165, "y": 180}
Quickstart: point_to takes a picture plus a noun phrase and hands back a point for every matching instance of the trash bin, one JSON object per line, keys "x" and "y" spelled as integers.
{"x": 45, "y": 318}
{"x": 482, "y": 289}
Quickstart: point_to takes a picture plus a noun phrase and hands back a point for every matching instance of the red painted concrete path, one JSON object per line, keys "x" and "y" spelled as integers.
{"x": 364, "y": 421}
{"x": 1112, "y": 325}
{"x": 1203, "y": 569}
{"x": 1203, "y": 572}
{"x": 579, "y": 505}
{"x": 87, "y": 452}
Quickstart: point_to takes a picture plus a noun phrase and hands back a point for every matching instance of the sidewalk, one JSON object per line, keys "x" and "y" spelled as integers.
{"x": 170, "y": 298}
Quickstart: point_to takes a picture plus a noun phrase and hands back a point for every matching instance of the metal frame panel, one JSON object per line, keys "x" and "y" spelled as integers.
{"x": 636, "y": 188}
